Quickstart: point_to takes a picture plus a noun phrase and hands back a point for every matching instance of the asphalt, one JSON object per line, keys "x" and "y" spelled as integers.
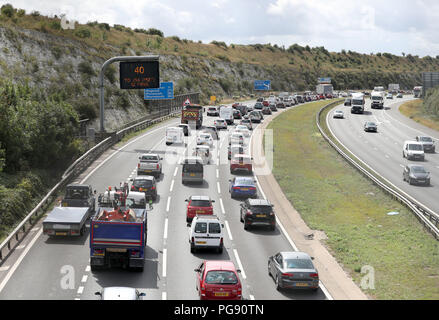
{"x": 382, "y": 151}
{"x": 59, "y": 268}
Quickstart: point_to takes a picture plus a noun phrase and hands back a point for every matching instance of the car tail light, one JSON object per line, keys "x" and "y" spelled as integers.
{"x": 72, "y": 232}
{"x": 132, "y": 188}
{"x": 248, "y": 213}
{"x": 152, "y": 188}
{"x": 287, "y": 275}
{"x": 221, "y": 241}
{"x": 203, "y": 290}
{"x": 236, "y": 188}
{"x": 314, "y": 275}
{"x": 158, "y": 166}
{"x": 193, "y": 240}
{"x": 138, "y": 165}
{"x": 252, "y": 188}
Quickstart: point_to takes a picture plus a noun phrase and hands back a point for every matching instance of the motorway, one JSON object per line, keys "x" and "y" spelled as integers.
{"x": 58, "y": 269}
{"x": 382, "y": 151}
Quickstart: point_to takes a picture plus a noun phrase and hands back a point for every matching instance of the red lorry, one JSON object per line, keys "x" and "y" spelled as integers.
{"x": 192, "y": 113}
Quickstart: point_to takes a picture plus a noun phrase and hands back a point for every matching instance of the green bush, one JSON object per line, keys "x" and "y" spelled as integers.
{"x": 431, "y": 102}
{"x": 7, "y": 10}
{"x": 83, "y": 33}
{"x": 85, "y": 67}
{"x": 55, "y": 25}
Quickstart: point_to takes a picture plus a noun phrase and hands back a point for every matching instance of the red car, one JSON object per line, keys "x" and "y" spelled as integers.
{"x": 218, "y": 280}
{"x": 235, "y": 105}
{"x": 241, "y": 162}
{"x": 265, "y": 103}
{"x": 198, "y": 205}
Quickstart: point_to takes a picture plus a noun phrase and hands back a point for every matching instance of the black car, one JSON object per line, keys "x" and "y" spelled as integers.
{"x": 273, "y": 107}
{"x": 280, "y": 104}
{"x": 185, "y": 129}
{"x": 146, "y": 184}
{"x": 237, "y": 114}
{"x": 348, "y": 102}
{"x": 266, "y": 110}
{"x": 414, "y": 173}
{"x": 257, "y": 212}
{"x": 370, "y": 127}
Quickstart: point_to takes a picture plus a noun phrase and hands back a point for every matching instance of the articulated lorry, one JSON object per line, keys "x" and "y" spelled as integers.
{"x": 118, "y": 230}
{"x": 377, "y": 98}
{"x": 69, "y": 218}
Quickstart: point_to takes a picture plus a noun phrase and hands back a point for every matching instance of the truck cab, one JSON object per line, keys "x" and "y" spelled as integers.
{"x": 358, "y": 102}
{"x": 79, "y": 195}
{"x": 377, "y": 98}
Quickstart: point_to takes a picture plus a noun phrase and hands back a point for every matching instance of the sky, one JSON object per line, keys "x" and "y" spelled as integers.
{"x": 368, "y": 26}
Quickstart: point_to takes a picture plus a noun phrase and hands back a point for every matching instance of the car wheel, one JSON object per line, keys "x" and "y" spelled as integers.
{"x": 220, "y": 249}
{"x": 410, "y": 181}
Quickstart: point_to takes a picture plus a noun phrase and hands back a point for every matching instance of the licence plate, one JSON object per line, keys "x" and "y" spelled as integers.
{"x": 199, "y": 212}
{"x": 261, "y": 216}
{"x": 244, "y": 189}
{"x": 192, "y": 174}
{"x": 116, "y": 250}
{"x": 61, "y": 233}
{"x": 300, "y": 284}
{"x": 221, "y": 294}
{"x": 147, "y": 170}
{"x": 200, "y": 242}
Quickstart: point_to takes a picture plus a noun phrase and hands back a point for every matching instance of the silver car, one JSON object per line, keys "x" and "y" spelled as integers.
{"x": 293, "y": 270}
{"x": 120, "y": 293}
{"x": 338, "y": 114}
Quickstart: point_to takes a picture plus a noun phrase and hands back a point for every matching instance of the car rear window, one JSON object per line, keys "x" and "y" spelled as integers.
{"x": 214, "y": 227}
{"x": 201, "y": 227}
{"x": 149, "y": 158}
{"x": 142, "y": 183}
{"x": 299, "y": 264}
{"x": 261, "y": 209}
{"x": 416, "y": 147}
{"x": 221, "y": 277}
{"x": 192, "y": 167}
{"x": 200, "y": 203}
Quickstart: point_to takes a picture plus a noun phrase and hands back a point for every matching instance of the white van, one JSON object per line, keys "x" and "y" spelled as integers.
{"x": 206, "y": 232}
{"x": 413, "y": 150}
{"x": 174, "y": 135}
{"x": 226, "y": 113}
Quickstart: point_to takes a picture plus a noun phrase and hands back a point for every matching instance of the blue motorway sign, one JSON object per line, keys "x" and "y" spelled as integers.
{"x": 324, "y": 80}
{"x": 262, "y": 85}
{"x": 166, "y": 91}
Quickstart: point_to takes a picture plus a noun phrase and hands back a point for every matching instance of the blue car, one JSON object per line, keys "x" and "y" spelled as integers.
{"x": 243, "y": 187}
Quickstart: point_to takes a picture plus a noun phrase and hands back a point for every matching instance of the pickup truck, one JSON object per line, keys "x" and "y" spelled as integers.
{"x": 118, "y": 232}
{"x": 149, "y": 164}
{"x": 69, "y": 218}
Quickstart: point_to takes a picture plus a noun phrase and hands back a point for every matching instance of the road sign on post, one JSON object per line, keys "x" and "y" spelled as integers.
{"x": 139, "y": 75}
{"x": 262, "y": 85}
{"x": 165, "y": 92}
{"x": 152, "y": 79}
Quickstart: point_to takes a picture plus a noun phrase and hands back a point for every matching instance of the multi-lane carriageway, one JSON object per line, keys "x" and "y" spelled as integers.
{"x": 58, "y": 269}
{"x": 382, "y": 151}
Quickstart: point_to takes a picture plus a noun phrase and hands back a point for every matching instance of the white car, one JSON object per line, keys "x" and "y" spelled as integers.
{"x": 220, "y": 124}
{"x": 242, "y": 129}
{"x": 174, "y": 135}
{"x": 236, "y": 138}
{"x": 413, "y": 150}
{"x": 338, "y": 114}
{"x": 120, "y": 293}
{"x": 206, "y": 232}
{"x": 205, "y": 138}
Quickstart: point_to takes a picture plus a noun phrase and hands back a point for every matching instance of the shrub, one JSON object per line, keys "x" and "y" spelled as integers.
{"x": 21, "y": 13}
{"x": 104, "y": 26}
{"x": 153, "y": 31}
{"x": 85, "y": 67}
{"x": 219, "y": 44}
{"x": 83, "y": 33}
{"x": 35, "y": 14}
{"x": 55, "y": 25}
{"x": 7, "y": 10}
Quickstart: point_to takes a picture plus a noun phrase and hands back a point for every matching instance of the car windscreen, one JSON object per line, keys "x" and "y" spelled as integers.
{"x": 298, "y": 264}
{"x": 192, "y": 167}
{"x": 221, "y": 277}
{"x": 419, "y": 170}
{"x": 142, "y": 183}
{"x": 426, "y": 139}
{"x": 357, "y": 101}
{"x": 200, "y": 203}
{"x": 416, "y": 147}
{"x": 76, "y": 193}
{"x": 201, "y": 227}
{"x": 376, "y": 98}
{"x": 261, "y": 209}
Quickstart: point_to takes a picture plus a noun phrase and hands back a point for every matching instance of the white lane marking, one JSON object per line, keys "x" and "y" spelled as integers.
{"x": 17, "y": 263}
{"x": 77, "y": 299}
{"x": 172, "y": 186}
{"x": 84, "y": 278}
{"x": 20, "y": 247}
{"x": 165, "y": 232}
{"x": 228, "y": 230}
{"x": 117, "y": 151}
{"x": 387, "y": 156}
{"x": 5, "y": 268}
{"x": 286, "y": 235}
{"x": 217, "y": 173}
{"x": 235, "y": 252}
{"x": 402, "y": 166}
{"x": 222, "y": 206}
{"x": 164, "y": 263}
{"x": 218, "y": 187}
{"x": 168, "y": 204}
{"x": 87, "y": 269}
{"x": 80, "y": 290}
{"x": 252, "y": 297}
{"x": 175, "y": 171}
{"x": 163, "y": 295}
{"x": 325, "y": 291}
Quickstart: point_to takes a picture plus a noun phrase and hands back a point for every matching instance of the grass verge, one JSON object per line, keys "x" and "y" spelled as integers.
{"x": 413, "y": 110}
{"x": 334, "y": 197}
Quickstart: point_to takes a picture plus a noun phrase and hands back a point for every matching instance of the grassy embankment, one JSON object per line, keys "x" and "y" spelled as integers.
{"x": 332, "y": 196}
{"x": 413, "y": 110}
